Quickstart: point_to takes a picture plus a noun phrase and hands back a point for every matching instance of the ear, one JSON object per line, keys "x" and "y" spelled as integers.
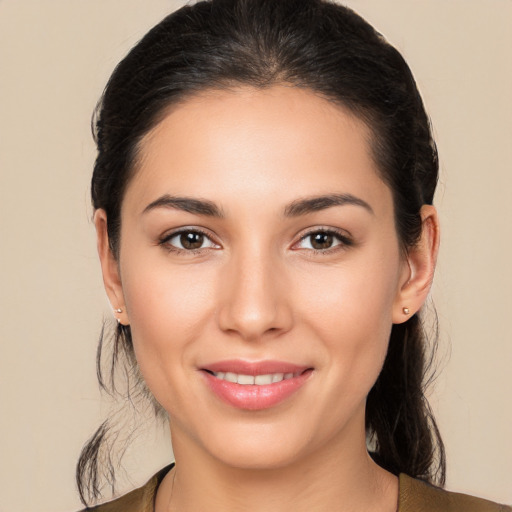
{"x": 110, "y": 268}
{"x": 419, "y": 269}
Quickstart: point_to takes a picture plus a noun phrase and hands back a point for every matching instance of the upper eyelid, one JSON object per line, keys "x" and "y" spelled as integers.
{"x": 343, "y": 236}
{"x": 340, "y": 233}
{"x": 185, "y": 229}
{"x": 164, "y": 241}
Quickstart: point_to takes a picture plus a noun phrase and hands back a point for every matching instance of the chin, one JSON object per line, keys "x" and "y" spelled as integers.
{"x": 256, "y": 457}
{"x": 256, "y": 446}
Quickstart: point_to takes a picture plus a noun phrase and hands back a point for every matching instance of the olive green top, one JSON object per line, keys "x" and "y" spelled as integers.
{"x": 414, "y": 496}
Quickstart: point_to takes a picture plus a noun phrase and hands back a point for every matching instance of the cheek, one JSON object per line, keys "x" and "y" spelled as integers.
{"x": 354, "y": 299}
{"x": 353, "y": 323}
{"x": 161, "y": 295}
{"x": 168, "y": 308}
{"x": 350, "y": 309}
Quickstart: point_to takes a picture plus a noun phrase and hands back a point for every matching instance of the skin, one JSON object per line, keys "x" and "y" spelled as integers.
{"x": 256, "y": 290}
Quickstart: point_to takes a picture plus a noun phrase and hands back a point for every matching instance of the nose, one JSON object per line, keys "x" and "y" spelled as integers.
{"x": 255, "y": 301}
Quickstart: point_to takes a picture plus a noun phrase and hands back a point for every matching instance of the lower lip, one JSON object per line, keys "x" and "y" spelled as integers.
{"x": 254, "y": 397}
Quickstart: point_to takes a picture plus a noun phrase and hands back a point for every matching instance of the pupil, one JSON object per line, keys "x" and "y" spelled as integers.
{"x": 322, "y": 241}
{"x": 191, "y": 240}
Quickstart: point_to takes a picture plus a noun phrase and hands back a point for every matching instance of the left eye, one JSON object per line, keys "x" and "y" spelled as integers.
{"x": 321, "y": 241}
{"x": 189, "y": 241}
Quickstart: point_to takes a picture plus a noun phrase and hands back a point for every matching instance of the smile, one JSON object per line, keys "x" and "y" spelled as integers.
{"x": 258, "y": 380}
{"x": 255, "y": 386}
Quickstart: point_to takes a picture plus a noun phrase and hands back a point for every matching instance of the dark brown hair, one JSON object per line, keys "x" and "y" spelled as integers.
{"x": 312, "y": 44}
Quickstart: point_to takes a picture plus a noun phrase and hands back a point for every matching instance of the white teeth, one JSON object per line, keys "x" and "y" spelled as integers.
{"x": 245, "y": 379}
{"x": 230, "y": 377}
{"x": 259, "y": 380}
{"x": 263, "y": 379}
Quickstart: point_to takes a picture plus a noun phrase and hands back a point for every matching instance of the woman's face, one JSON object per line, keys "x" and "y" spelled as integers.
{"x": 258, "y": 241}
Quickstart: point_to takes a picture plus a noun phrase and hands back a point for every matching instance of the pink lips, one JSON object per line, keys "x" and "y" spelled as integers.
{"x": 255, "y": 396}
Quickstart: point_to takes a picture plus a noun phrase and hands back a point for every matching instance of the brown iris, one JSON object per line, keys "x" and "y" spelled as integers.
{"x": 191, "y": 240}
{"x": 321, "y": 241}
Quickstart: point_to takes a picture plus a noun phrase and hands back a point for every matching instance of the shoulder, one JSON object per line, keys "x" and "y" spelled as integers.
{"x": 418, "y": 496}
{"x": 139, "y": 500}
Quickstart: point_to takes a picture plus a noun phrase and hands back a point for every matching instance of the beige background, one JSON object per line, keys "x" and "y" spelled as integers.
{"x": 55, "y": 57}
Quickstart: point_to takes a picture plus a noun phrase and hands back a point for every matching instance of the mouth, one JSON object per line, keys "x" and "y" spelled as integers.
{"x": 255, "y": 386}
{"x": 254, "y": 380}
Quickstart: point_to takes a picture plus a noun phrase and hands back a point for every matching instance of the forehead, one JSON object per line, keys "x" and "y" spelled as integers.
{"x": 250, "y": 144}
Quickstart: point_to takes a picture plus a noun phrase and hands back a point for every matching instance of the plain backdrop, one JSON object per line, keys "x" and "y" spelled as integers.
{"x": 55, "y": 57}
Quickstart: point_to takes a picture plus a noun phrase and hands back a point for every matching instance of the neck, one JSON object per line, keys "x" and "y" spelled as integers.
{"x": 341, "y": 478}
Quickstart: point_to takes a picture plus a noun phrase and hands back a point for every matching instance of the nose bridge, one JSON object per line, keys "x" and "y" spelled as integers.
{"x": 254, "y": 301}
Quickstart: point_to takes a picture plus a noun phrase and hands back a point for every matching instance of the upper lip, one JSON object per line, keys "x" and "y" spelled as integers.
{"x": 254, "y": 367}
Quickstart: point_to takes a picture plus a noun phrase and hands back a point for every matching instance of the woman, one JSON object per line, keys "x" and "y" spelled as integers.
{"x": 263, "y": 203}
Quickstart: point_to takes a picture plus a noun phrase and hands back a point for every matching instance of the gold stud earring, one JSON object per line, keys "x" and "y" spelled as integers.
{"x": 405, "y": 310}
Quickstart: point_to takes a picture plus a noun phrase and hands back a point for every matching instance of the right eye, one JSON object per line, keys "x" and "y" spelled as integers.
{"x": 189, "y": 240}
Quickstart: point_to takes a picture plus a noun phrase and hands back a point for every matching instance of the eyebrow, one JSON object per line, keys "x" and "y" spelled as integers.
{"x": 294, "y": 209}
{"x": 317, "y": 203}
{"x": 186, "y": 204}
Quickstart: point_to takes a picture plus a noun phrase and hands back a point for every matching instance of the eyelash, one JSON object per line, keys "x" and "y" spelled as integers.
{"x": 164, "y": 241}
{"x": 344, "y": 240}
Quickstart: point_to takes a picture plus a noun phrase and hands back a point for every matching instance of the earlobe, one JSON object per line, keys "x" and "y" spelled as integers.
{"x": 109, "y": 268}
{"x": 421, "y": 262}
